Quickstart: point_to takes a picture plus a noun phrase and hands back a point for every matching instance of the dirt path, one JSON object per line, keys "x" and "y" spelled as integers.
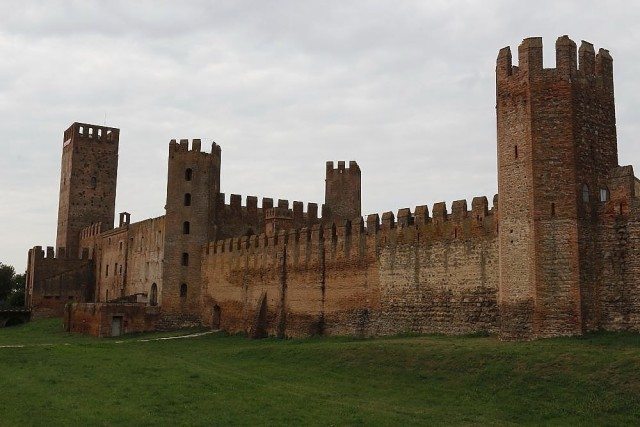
{"x": 173, "y": 337}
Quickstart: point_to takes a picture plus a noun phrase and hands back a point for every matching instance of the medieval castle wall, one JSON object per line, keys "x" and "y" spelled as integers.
{"x": 127, "y": 259}
{"x": 55, "y": 279}
{"x": 419, "y": 274}
{"x": 558, "y": 253}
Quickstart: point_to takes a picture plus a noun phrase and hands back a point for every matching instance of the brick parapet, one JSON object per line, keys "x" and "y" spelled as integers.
{"x": 235, "y": 218}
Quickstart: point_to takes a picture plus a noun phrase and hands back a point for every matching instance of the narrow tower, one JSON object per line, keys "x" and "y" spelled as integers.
{"x": 556, "y": 146}
{"x": 87, "y": 182}
{"x": 192, "y": 190}
{"x": 342, "y": 191}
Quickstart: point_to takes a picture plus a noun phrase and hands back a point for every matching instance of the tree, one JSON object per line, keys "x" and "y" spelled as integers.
{"x": 16, "y": 298}
{"x": 12, "y": 286}
{"x": 6, "y": 280}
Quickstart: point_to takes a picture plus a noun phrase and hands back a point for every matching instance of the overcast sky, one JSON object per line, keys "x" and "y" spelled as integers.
{"x": 405, "y": 88}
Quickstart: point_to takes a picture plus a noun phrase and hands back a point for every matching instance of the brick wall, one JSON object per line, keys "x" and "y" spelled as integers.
{"x": 438, "y": 275}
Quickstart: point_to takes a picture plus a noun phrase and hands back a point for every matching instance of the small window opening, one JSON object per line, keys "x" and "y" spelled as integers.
{"x": 120, "y": 246}
{"x": 153, "y": 297}
{"x": 94, "y": 182}
{"x": 604, "y": 195}
{"x": 515, "y": 151}
{"x": 187, "y": 199}
{"x": 455, "y": 233}
{"x": 188, "y": 174}
{"x": 553, "y": 209}
{"x": 120, "y": 269}
{"x": 106, "y": 271}
{"x": 585, "y": 193}
{"x": 185, "y": 258}
{"x": 183, "y": 290}
{"x": 186, "y": 227}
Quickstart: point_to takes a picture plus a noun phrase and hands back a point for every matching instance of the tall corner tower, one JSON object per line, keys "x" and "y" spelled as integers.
{"x": 342, "y": 197}
{"x": 556, "y": 145}
{"x": 193, "y": 186}
{"x": 87, "y": 181}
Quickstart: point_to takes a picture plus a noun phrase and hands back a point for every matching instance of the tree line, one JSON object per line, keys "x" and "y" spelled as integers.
{"x": 11, "y": 287}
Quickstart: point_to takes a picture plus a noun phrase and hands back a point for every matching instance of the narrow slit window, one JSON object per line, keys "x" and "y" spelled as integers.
{"x": 185, "y": 259}
{"x": 186, "y": 227}
{"x": 153, "y": 298}
{"x": 604, "y": 195}
{"x": 188, "y": 174}
{"x": 515, "y": 151}
{"x": 553, "y": 209}
{"x": 187, "y": 199}
{"x": 585, "y": 193}
{"x": 183, "y": 290}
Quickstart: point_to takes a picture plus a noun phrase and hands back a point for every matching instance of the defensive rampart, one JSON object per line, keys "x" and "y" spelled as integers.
{"x": 53, "y": 280}
{"x": 420, "y": 273}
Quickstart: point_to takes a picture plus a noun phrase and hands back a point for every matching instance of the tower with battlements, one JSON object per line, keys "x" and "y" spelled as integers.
{"x": 193, "y": 185}
{"x": 556, "y": 148}
{"x": 87, "y": 182}
{"x": 342, "y": 199}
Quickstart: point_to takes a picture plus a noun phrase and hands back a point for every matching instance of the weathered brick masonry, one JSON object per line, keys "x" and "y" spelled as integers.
{"x": 557, "y": 253}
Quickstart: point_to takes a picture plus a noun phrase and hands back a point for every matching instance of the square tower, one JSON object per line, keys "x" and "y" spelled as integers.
{"x": 342, "y": 197}
{"x": 87, "y": 182}
{"x": 556, "y": 149}
{"x": 193, "y": 186}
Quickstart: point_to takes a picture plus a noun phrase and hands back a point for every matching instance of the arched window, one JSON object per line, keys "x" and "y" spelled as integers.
{"x": 604, "y": 195}
{"x": 187, "y": 199}
{"x": 183, "y": 290}
{"x": 188, "y": 174}
{"x": 153, "y": 295}
{"x": 185, "y": 258}
{"x": 585, "y": 193}
{"x": 185, "y": 227}
{"x": 94, "y": 182}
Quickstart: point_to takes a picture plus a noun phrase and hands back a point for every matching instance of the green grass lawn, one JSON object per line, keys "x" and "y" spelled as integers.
{"x": 215, "y": 379}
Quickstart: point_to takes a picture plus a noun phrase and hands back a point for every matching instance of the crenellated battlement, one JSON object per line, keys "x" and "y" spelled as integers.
{"x": 351, "y": 237}
{"x": 570, "y": 61}
{"x": 341, "y": 168}
{"x": 193, "y": 146}
{"x": 92, "y": 230}
{"x": 93, "y": 132}
{"x": 49, "y": 253}
{"x": 253, "y": 214}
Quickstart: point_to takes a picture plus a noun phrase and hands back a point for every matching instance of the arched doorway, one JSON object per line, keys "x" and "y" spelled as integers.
{"x": 215, "y": 317}
{"x": 153, "y": 295}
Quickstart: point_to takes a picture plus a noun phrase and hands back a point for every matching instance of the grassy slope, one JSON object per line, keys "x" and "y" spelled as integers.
{"x": 401, "y": 380}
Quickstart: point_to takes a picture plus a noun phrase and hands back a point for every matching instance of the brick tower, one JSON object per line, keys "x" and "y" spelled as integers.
{"x": 192, "y": 190}
{"x": 556, "y": 146}
{"x": 342, "y": 191}
{"x": 87, "y": 182}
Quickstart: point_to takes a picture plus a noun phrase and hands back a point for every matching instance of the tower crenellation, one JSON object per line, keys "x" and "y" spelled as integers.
{"x": 342, "y": 191}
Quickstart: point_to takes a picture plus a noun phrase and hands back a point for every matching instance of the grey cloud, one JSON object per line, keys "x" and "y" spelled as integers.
{"x": 405, "y": 88}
